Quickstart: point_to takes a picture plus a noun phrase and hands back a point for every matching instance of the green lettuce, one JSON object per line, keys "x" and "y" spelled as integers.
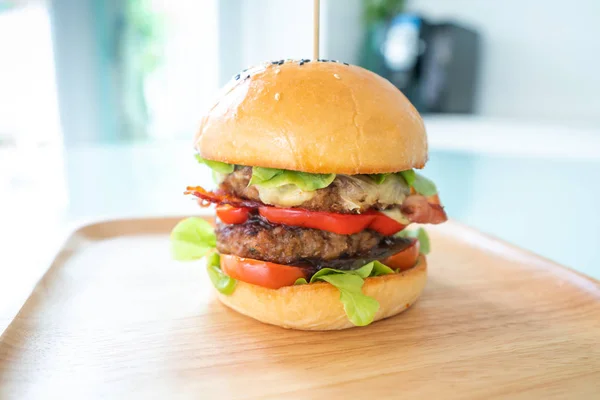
{"x": 380, "y": 269}
{"x": 216, "y": 166}
{"x": 421, "y": 235}
{"x": 223, "y": 283}
{"x": 192, "y": 239}
{"x": 359, "y": 308}
{"x": 424, "y": 186}
{"x": 409, "y": 176}
{"x": 378, "y": 178}
{"x": 272, "y": 178}
{"x": 418, "y": 182}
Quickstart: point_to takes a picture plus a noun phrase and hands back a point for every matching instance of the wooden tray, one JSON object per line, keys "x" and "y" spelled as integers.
{"x": 114, "y": 317}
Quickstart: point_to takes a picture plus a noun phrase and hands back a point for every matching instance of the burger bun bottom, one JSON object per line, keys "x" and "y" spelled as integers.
{"x": 317, "y": 306}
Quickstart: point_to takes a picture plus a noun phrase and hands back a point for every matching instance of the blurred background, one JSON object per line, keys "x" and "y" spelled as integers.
{"x": 99, "y": 101}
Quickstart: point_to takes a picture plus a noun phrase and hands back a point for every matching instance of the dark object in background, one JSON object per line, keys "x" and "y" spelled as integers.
{"x": 435, "y": 65}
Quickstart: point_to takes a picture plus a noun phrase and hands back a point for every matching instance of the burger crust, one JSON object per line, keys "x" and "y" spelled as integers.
{"x": 318, "y": 117}
{"x": 317, "y": 306}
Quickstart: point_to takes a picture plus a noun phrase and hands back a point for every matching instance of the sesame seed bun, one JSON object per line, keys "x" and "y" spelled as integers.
{"x": 317, "y": 117}
{"x": 317, "y": 306}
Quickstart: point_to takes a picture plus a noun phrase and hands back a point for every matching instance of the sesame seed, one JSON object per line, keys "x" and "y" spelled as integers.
{"x": 277, "y": 70}
{"x": 237, "y": 77}
{"x": 277, "y": 96}
{"x": 281, "y": 62}
{"x": 301, "y": 62}
{"x": 274, "y": 62}
{"x": 345, "y": 63}
{"x": 336, "y": 76}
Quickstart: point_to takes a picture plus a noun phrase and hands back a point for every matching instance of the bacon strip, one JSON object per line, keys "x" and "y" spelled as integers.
{"x": 206, "y": 198}
{"x": 418, "y": 209}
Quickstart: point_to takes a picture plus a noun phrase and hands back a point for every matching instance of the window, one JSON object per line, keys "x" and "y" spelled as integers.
{"x": 186, "y": 78}
{"x": 134, "y": 69}
{"x": 28, "y": 103}
{"x": 31, "y": 163}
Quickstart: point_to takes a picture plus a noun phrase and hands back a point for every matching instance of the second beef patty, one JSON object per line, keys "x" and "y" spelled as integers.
{"x": 282, "y": 244}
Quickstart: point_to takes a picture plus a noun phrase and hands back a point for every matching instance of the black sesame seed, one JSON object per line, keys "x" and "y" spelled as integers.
{"x": 237, "y": 77}
{"x": 301, "y": 62}
{"x": 274, "y": 62}
{"x": 345, "y": 63}
{"x": 281, "y": 62}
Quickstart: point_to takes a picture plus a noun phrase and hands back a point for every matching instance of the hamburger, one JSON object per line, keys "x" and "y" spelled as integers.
{"x": 315, "y": 163}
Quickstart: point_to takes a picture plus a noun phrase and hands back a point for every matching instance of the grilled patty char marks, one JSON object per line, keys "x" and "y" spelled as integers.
{"x": 283, "y": 244}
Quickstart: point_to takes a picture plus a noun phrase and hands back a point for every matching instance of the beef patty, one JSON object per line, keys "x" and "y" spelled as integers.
{"x": 283, "y": 244}
{"x": 346, "y": 194}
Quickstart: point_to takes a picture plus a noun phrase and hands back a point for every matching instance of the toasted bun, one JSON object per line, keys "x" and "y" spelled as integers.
{"x": 317, "y": 306}
{"x": 319, "y": 117}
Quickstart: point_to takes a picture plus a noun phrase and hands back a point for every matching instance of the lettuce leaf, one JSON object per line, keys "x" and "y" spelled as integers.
{"x": 380, "y": 269}
{"x": 362, "y": 272}
{"x": 421, "y": 235}
{"x": 359, "y": 308}
{"x": 272, "y": 178}
{"x": 223, "y": 283}
{"x": 216, "y": 166}
{"x": 409, "y": 176}
{"x": 192, "y": 239}
{"x": 378, "y": 178}
{"x": 418, "y": 182}
{"x": 424, "y": 186}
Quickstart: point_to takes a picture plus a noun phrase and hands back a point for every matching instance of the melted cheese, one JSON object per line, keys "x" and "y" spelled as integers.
{"x": 286, "y": 195}
{"x": 359, "y": 190}
{"x": 355, "y": 191}
{"x": 396, "y": 215}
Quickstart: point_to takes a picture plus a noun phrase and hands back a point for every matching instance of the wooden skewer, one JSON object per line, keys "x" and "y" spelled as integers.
{"x": 316, "y": 9}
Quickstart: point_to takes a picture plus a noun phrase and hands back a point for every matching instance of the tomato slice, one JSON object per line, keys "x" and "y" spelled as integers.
{"x": 343, "y": 224}
{"x": 405, "y": 259}
{"x": 261, "y": 273}
{"x": 384, "y": 224}
{"x": 232, "y": 215}
{"x": 275, "y": 276}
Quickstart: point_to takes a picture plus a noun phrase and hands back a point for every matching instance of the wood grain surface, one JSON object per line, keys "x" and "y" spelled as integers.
{"x": 114, "y": 317}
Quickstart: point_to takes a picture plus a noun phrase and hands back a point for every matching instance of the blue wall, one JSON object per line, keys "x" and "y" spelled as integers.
{"x": 547, "y": 206}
